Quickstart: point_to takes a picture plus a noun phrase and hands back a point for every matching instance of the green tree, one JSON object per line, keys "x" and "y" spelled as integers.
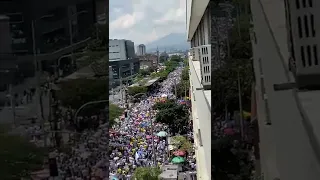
{"x": 114, "y": 112}
{"x": 75, "y": 93}
{"x": 165, "y": 105}
{"x": 176, "y": 58}
{"x": 134, "y": 90}
{"x": 146, "y": 173}
{"x": 182, "y": 143}
{"x": 145, "y": 72}
{"x": 176, "y": 117}
{"x": 19, "y": 157}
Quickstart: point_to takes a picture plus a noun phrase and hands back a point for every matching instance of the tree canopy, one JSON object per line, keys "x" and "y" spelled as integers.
{"x": 146, "y": 173}
{"x": 114, "y": 112}
{"x": 182, "y": 143}
{"x": 174, "y": 115}
{"x": 184, "y": 86}
{"x": 135, "y": 90}
{"x": 19, "y": 157}
{"x": 75, "y": 93}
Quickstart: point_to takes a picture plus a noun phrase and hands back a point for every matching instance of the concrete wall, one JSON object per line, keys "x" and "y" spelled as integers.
{"x": 285, "y": 148}
{"x": 201, "y": 115}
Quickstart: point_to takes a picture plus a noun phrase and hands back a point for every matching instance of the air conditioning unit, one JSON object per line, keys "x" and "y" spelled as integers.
{"x": 205, "y": 63}
{"x": 303, "y": 17}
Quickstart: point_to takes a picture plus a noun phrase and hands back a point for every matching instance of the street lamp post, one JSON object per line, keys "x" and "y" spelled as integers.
{"x": 71, "y": 33}
{"x": 240, "y": 106}
{"x": 37, "y": 64}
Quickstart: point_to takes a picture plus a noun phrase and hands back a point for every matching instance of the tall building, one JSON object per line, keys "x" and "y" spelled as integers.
{"x": 198, "y": 27}
{"x": 123, "y": 60}
{"x": 51, "y": 23}
{"x": 52, "y": 31}
{"x": 285, "y": 37}
{"x": 141, "y": 50}
{"x": 5, "y": 35}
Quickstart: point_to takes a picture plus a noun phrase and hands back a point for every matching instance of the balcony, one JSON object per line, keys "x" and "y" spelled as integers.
{"x": 203, "y": 55}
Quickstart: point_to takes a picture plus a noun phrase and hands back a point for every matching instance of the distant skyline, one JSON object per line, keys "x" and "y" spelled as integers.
{"x": 144, "y": 21}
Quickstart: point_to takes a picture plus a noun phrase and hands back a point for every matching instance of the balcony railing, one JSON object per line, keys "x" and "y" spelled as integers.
{"x": 203, "y": 54}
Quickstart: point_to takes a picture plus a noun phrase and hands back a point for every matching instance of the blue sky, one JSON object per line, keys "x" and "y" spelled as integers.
{"x": 144, "y": 21}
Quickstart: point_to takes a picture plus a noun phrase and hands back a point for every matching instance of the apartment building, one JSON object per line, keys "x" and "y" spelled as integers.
{"x": 285, "y": 41}
{"x": 200, "y": 57}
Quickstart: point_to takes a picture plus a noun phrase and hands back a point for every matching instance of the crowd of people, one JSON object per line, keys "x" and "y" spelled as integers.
{"x": 133, "y": 142}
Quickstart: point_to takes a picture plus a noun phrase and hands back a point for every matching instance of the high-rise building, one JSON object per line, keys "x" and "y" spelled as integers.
{"x": 5, "y": 35}
{"x": 199, "y": 30}
{"x": 141, "y": 50}
{"x": 123, "y": 60}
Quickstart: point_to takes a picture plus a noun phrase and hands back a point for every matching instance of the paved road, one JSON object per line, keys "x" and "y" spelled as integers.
{"x": 286, "y": 151}
{"x": 23, "y": 112}
{"x": 116, "y": 96}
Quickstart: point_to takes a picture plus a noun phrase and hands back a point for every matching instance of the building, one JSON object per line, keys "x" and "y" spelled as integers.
{"x": 110, "y": 77}
{"x": 123, "y": 60}
{"x": 51, "y": 23}
{"x": 285, "y": 37}
{"x": 101, "y": 11}
{"x": 121, "y": 49}
{"x": 5, "y": 35}
{"x": 148, "y": 61}
{"x": 141, "y": 50}
{"x": 199, "y": 30}
{"x": 54, "y": 30}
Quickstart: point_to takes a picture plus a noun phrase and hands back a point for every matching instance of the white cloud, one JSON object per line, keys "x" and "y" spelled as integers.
{"x": 125, "y": 21}
{"x": 117, "y": 10}
{"x": 144, "y": 21}
{"x": 173, "y": 15}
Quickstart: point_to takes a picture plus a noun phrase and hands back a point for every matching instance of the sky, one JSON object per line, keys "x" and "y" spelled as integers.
{"x": 144, "y": 21}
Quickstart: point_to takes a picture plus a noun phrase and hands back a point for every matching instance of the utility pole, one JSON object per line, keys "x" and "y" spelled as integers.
{"x": 240, "y": 106}
{"x": 153, "y": 148}
{"x": 218, "y": 42}
{"x": 121, "y": 86}
{"x": 185, "y": 90}
{"x": 13, "y": 105}
{"x": 71, "y": 34}
{"x": 175, "y": 88}
{"x": 55, "y": 125}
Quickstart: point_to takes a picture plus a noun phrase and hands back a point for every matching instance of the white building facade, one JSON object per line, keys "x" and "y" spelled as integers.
{"x": 198, "y": 25}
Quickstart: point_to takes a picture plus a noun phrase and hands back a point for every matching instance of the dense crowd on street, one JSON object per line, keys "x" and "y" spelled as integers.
{"x": 132, "y": 140}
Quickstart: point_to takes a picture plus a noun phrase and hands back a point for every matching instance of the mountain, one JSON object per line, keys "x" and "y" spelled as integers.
{"x": 172, "y": 41}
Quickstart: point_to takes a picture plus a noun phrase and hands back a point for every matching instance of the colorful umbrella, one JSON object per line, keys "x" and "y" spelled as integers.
{"x": 149, "y": 137}
{"x": 162, "y": 134}
{"x": 179, "y": 153}
{"x": 228, "y": 131}
{"x": 177, "y": 160}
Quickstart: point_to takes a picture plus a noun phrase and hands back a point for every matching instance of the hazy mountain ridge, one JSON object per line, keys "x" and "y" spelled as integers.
{"x": 170, "y": 41}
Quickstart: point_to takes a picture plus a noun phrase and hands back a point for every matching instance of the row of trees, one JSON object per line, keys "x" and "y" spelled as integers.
{"x": 170, "y": 66}
{"x": 184, "y": 86}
